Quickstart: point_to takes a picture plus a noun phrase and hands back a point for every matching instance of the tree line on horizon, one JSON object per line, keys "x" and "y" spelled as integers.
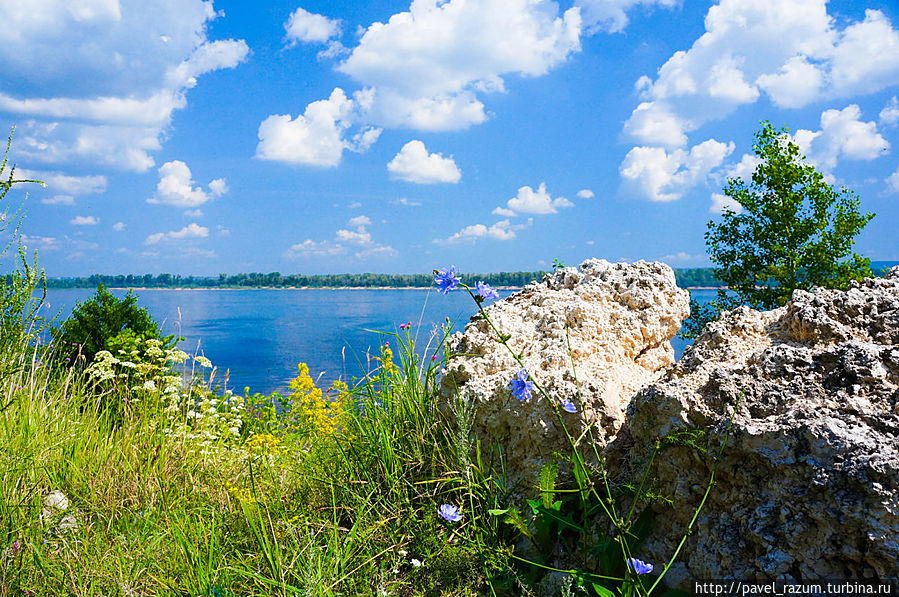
{"x": 686, "y": 278}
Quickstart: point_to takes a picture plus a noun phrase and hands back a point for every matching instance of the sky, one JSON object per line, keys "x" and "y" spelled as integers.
{"x": 200, "y": 138}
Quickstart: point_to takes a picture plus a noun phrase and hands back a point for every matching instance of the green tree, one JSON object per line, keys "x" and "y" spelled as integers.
{"x": 794, "y": 230}
{"x": 98, "y": 320}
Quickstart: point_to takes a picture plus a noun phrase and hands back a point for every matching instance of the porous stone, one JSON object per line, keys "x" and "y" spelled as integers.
{"x": 592, "y": 334}
{"x": 807, "y": 486}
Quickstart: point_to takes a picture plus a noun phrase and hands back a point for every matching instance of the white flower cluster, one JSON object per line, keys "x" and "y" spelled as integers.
{"x": 192, "y": 412}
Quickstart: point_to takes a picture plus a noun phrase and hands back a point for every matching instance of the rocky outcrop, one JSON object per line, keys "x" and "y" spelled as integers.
{"x": 612, "y": 322}
{"x": 808, "y": 483}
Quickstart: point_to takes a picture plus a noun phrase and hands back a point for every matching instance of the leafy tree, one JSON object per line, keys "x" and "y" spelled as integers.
{"x": 100, "y": 319}
{"x": 794, "y": 231}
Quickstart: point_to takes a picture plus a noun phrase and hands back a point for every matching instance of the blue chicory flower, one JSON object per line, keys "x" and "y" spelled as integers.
{"x": 449, "y": 513}
{"x": 568, "y": 406}
{"x": 447, "y": 279}
{"x": 521, "y": 387}
{"x": 485, "y": 291}
{"x": 639, "y": 566}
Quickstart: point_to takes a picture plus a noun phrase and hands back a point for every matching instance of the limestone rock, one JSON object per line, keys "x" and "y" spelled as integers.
{"x": 56, "y": 512}
{"x": 619, "y": 319}
{"x": 808, "y": 484}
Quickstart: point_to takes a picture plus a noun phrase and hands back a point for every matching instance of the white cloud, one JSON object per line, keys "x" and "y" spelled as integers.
{"x": 356, "y": 234}
{"x": 175, "y": 187}
{"x": 223, "y": 231}
{"x": 504, "y": 212}
{"x": 84, "y": 221}
{"x": 610, "y": 15}
{"x": 720, "y": 203}
{"x": 118, "y": 226}
{"x": 586, "y": 194}
{"x": 502, "y": 230}
{"x": 194, "y": 213}
{"x": 309, "y": 27}
{"x": 315, "y": 138}
{"x": 428, "y": 65}
{"x": 406, "y": 202}
{"x": 790, "y": 50}
{"x": 218, "y": 187}
{"x": 59, "y": 200}
{"x": 414, "y": 164}
{"x": 192, "y": 230}
{"x": 889, "y": 116}
{"x": 893, "y": 181}
{"x": 842, "y": 135}
{"x": 530, "y": 201}
{"x": 40, "y": 243}
{"x": 63, "y": 183}
{"x": 655, "y": 174}
{"x": 682, "y": 258}
{"x": 310, "y": 248}
{"x": 125, "y": 69}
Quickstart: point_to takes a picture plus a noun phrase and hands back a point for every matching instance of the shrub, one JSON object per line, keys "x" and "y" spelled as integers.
{"x": 97, "y": 321}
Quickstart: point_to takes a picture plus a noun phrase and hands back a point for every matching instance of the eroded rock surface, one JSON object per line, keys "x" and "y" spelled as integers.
{"x": 808, "y": 485}
{"x": 619, "y": 319}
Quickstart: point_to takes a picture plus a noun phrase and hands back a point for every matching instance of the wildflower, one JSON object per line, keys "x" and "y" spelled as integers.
{"x": 568, "y": 406}
{"x": 406, "y": 326}
{"x": 447, "y": 279}
{"x": 521, "y": 387}
{"x": 639, "y": 566}
{"x": 433, "y": 357}
{"x": 449, "y": 513}
{"x": 485, "y": 291}
{"x": 416, "y": 563}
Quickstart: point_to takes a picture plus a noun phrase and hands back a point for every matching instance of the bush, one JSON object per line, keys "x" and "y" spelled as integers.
{"x": 97, "y": 321}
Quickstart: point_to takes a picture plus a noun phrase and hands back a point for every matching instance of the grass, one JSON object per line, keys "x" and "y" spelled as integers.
{"x": 295, "y": 504}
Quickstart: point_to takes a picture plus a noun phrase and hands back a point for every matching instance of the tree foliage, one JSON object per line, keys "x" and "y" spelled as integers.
{"x": 99, "y": 320}
{"x": 794, "y": 230}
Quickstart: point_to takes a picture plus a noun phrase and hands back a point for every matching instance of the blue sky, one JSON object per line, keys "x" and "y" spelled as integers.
{"x": 315, "y": 137}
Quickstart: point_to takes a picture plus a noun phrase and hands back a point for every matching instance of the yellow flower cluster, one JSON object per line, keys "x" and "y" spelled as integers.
{"x": 265, "y": 444}
{"x": 312, "y": 411}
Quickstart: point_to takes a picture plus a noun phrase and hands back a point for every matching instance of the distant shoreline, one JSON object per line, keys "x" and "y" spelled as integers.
{"x": 143, "y": 288}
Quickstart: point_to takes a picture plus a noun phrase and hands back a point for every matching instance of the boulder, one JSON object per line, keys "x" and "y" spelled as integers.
{"x": 612, "y": 322}
{"x": 808, "y": 483}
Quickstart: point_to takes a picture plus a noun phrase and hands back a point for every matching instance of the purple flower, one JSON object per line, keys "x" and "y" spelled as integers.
{"x": 639, "y": 566}
{"x": 433, "y": 357}
{"x": 484, "y": 291}
{"x": 568, "y": 406}
{"x": 405, "y": 326}
{"x": 449, "y": 513}
{"x": 521, "y": 387}
{"x": 447, "y": 280}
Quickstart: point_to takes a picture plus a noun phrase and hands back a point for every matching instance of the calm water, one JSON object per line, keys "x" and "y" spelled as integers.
{"x": 261, "y": 335}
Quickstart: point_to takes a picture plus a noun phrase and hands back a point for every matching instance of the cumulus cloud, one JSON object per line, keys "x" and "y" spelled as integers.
{"x": 893, "y": 181}
{"x": 192, "y": 230}
{"x": 842, "y": 135}
{"x": 414, "y": 164}
{"x": 428, "y": 66}
{"x": 585, "y": 194}
{"x": 304, "y": 26}
{"x": 84, "y": 221}
{"x": 118, "y": 226}
{"x": 502, "y": 230}
{"x": 356, "y": 235}
{"x": 108, "y": 99}
{"x": 792, "y": 51}
{"x": 64, "y": 183}
{"x": 406, "y": 202}
{"x": 59, "y": 200}
{"x": 40, "y": 243}
{"x": 540, "y": 202}
{"x": 176, "y": 187}
{"x": 611, "y": 15}
{"x": 659, "y": 175}
{"x": 316, "y": 138}
{"x": 722, "y": 203}
{"x": 889, "y": 116}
